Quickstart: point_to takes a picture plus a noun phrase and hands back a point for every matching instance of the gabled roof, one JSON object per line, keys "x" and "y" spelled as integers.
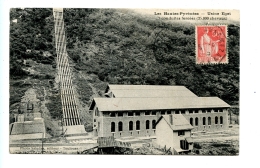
{"x": 146, "y": 87}
{"x": 153, "y": 93}
{"x": 149, "y": 91}
{"x": 179, "y": 122}
{"x": 126, "y": 104}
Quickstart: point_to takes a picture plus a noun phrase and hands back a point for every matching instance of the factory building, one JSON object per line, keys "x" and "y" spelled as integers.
{"x": 133, "y": 110}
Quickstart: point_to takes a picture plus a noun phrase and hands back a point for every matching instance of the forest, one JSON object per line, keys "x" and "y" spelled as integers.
{"x": 117, "y": 47}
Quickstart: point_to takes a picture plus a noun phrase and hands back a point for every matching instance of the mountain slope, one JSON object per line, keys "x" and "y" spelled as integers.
{"x": 111, "y": 46}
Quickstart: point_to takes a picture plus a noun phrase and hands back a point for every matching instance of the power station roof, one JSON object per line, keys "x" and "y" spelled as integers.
{"x": 153, "y": 93}
{"x": 128, "y": 104}
{"x": 149, "y": 91}
{"x": 146, "y": 87}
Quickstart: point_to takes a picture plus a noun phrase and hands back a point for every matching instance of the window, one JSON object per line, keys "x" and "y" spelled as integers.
{"x": 191, "y": 121}
{"x": 153, "y": 123}
{"x": 147, "y": 124}
{"x": 94, "y": 120}
{"x": 221, "y": 120}
{"x": 130, "y": 114}
{"x": 112, "y": 114}
{"x": 209, "y": 110}
{"x": 120, "y": 114}
{"x": 147, "y": 113}
{"x": 130, "y": 125}
{"x": 171, "y": 119}
{"x": 137, "y": 113}
{"x": 163, "y": 113}
{"x": 221, "y": 110}
{"x": 215, "y": 110}
{"x": 177, "y": 112}
{"x": 120, "y": 126}
{"x": 153, "y": 112}
{"x": 190, "y": 111}
{"x": 95, "y": 111}
{"x": 196, "y": 111}
{"x": 29, "y": 106}
{"x": 169, "y": 112}
{"x": 216, "y": 120}
{"x": 184, "y": 145}
{"x": 196, "y": 121}
{"x": 209, "y": 121}
{"x": 204, "y": 120}
{"x": 204, "y": 110}
{"x": 181, "y": 133}
{"x": 182, "y": 111}
{"x": 137, "y": 125}
{"x": 113, "y": 127}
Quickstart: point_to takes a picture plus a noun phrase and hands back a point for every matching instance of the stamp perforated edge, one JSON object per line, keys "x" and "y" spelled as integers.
{"x": 196, "y": 44}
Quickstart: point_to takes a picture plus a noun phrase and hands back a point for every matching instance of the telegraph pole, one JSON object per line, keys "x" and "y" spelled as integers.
{"x": 42, "y": 142}
{"x": 230, "y": 111}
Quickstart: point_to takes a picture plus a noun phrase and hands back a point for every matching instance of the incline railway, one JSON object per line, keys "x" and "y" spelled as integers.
{"x": 69, "y": 106}
{"x": 68, "y": 99}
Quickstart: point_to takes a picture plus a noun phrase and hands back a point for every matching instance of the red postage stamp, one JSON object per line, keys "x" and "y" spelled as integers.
{"x": 211, "y": 44}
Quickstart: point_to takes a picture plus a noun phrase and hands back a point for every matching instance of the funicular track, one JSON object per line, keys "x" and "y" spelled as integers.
{"x": 68, "y": 99}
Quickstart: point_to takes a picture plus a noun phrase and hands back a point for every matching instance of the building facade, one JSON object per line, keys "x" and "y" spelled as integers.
{"x": 173, "y": 132}
{"x": 133, "y": 110}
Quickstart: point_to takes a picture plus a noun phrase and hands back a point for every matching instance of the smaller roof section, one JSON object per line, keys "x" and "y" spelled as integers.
{"x": 145, "y": 87}
{"x": 120, "y": 91}
{"x": 176, "y": 122}
{"x": 57, "y": 9}
{"x": 189, "y": 139}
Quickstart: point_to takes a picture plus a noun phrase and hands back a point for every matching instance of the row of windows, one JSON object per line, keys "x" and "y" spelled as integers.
{"x": 120, "y": 114}
{"x": 131, "y": 125}
{"x": 204, "y": 120}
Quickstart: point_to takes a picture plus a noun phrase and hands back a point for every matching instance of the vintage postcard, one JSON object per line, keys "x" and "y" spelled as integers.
{"x": 124, "y": 81}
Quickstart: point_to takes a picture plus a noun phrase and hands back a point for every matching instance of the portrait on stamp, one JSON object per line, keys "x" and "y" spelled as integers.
{"x": 211, "y": 44}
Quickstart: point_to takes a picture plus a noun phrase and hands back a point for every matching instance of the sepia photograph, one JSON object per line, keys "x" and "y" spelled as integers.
{"x": 124, "y": 81}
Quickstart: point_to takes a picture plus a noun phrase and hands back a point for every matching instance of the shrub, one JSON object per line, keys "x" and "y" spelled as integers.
{"x": 220, "y": 145}
{"x": 197, "y": 145}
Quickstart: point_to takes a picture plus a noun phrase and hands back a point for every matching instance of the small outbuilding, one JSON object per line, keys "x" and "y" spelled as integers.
{"x": 173, "y": 132}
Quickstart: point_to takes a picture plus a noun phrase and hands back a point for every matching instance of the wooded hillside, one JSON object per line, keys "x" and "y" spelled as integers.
{"x": 117, "y": 47}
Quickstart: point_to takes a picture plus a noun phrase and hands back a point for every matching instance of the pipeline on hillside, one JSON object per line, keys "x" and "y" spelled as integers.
{"x": 69, "y": 106}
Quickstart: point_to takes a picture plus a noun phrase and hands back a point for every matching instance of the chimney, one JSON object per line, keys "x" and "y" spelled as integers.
{"x": 171, "y": 119}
